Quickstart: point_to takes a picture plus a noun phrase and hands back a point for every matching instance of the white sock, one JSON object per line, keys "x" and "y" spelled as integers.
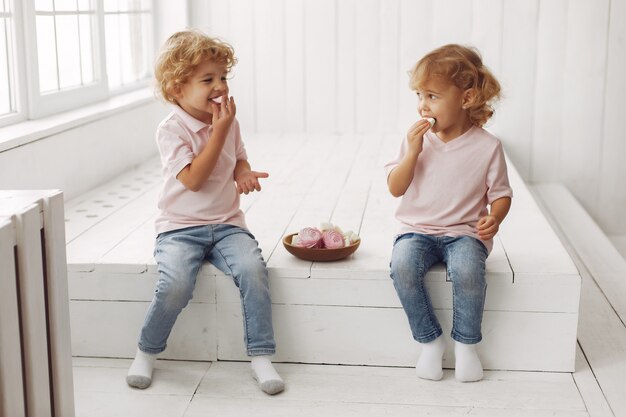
{"x": 468, "y": 367}
{"x": 429, "y": 363}
{"x": 140, "y": 372}
{"x": 264, "y": 373}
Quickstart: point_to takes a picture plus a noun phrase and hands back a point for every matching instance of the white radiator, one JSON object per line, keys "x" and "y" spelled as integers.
{"x": 35, "y": 348}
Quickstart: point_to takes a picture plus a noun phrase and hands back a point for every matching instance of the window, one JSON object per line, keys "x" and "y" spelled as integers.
{"x": 75, "y": 52}
{"x": 9, "y": 100}
{"x": 128, "y": 41}
{"x": 65, "y": 44}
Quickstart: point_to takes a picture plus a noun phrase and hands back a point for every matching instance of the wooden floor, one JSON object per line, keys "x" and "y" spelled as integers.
{"x": 227, "y": 389}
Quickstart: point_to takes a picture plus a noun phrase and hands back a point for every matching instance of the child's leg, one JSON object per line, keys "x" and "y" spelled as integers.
{"x": 465, "y": 259}
{"x": 238, "y": 254}
{"x": 179, "y": 255}
{"x": 412, "y": 257}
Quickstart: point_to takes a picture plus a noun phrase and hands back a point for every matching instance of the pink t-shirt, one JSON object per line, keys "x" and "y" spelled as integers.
{"x": 180, "y": 138}
{"x": 452, "y": 185}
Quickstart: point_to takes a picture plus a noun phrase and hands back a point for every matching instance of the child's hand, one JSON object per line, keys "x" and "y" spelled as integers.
{"x": 415, "y": 136}
{"x": 224, "y": 114}
{"x": 487, "y": 227}
{"x": 248, "y": 181}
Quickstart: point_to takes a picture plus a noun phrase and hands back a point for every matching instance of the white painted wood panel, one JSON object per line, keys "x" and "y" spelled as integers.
{"x": 416, "y": 34}
{"x": 369, "y": 96}
{"x": 548, "y": 102}
{"x": 269, "y": 56}
{"x": 295, "y": 70}
{"x": 11, "y": 380}
{"x": 513, "y": 123}
{"x": 583, "y": 98}
{"x": 58, "y": 314}
{"x": 453, "y": 23}
{"x": 324, "y": 334}
{"x": 244, "y": 75}
{"x": 320, "y": 57}
{"x": 487, "y": 32}
{"x": 609, "y": 210}
{"x": 347, "y": 39}
{"x": 116, "y": 325}
{"x": 313, "y": 389}
{"x": 33, "y": 312}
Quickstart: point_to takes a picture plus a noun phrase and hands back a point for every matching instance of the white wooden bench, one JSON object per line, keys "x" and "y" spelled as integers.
{"x": 602, "y": 332}
{"x": 343, "y": 312}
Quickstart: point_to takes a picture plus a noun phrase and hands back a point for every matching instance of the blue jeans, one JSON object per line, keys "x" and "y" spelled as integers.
{"x": 413, "y": 255}
{"x": 179, "y": 255}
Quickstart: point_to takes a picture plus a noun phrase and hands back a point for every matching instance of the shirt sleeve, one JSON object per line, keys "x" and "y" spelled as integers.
{"x": 497, "y": 177}
{"x": 240, "y": 148}
{"x": 175, "y": 150}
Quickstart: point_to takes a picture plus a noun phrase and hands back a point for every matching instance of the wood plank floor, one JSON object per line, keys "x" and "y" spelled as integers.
{"x": 193, "y": 389}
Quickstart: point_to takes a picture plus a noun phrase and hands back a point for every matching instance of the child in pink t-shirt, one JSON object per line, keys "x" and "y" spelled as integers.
{"x": 448, "y": 172}
{"x": 205, "y": 168}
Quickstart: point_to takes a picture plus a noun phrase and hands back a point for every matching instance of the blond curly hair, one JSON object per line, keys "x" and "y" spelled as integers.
{"x": 463, "y": 67}
{"x": 182, "y": 53}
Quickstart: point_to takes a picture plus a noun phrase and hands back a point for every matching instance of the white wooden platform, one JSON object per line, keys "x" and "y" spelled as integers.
{"x": 343, "y": 312}
{"x": 602, "y": 329}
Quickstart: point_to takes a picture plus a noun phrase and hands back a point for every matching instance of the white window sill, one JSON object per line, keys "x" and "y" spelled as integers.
{"x": 21, "y": 133}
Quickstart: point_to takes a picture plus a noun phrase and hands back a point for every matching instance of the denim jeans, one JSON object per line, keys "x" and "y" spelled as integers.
{"x": 413, "y": 255}
{"x": 179, "y": 255}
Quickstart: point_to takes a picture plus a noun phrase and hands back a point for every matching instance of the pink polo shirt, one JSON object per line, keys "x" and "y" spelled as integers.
{"x": 452, "y": 185}
{"x": 180, "y": 138}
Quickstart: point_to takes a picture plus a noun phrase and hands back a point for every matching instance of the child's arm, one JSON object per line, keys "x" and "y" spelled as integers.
{"x": 246, "y": 179}
{"x": 489, "y": 225}
{"x": 196, "y": 173}
{"x": 401, "y": 176}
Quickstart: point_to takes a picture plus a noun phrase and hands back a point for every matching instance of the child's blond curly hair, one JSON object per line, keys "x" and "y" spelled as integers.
{"x": 462, "y": 66}
{"x": 182, "y": 53}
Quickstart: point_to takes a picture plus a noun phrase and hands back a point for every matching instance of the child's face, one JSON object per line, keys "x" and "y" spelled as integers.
{"x": 207, "y": 83}
{"x": 444, "y": 101}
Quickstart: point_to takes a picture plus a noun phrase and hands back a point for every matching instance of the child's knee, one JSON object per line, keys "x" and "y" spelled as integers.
{"x": 176, "y": 295}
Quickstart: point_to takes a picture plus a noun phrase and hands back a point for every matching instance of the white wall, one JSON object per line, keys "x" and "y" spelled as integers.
{"x": 85, "y": 156}
{"x": 340, "y": 66}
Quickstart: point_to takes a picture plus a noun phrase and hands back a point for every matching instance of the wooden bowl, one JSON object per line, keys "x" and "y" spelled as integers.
{"x": 317, "y": 254}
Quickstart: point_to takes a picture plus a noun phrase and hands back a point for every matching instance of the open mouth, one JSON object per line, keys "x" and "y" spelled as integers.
{"x": 216, "y": 100}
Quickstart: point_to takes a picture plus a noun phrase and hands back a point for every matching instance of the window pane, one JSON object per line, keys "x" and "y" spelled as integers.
{"x": 86, "y": 49}
{"x": 123, "y": 5}
{"x": 65, "y": 5}
{"x": 68, "y": 50}
{"x": 134, "y": 5}
{"x": 86, "y": 5}
{"x": 43, "y": 5}
{"x": 5, "y": 80}
{"x": 111, "y": 6}
{"x": 46, "y": 52}
{"x": 1, "y": 6}
{"x": 111, "y": 25}
{"x": 126, "y": 48}
{"x": 147, "y": 46}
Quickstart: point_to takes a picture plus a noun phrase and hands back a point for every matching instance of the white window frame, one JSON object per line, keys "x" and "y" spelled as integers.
{"x": 41, "y": 105}
{"x": 19, "y": 68}
{"x": 35, "y": 105}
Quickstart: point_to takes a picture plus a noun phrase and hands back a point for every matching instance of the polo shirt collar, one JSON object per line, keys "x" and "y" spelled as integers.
{"x": 191, "y": 122}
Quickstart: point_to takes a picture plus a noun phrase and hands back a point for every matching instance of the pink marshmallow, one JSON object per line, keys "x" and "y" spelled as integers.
{"x": 310, "y": 237}
{"x": 333, "y": 239}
